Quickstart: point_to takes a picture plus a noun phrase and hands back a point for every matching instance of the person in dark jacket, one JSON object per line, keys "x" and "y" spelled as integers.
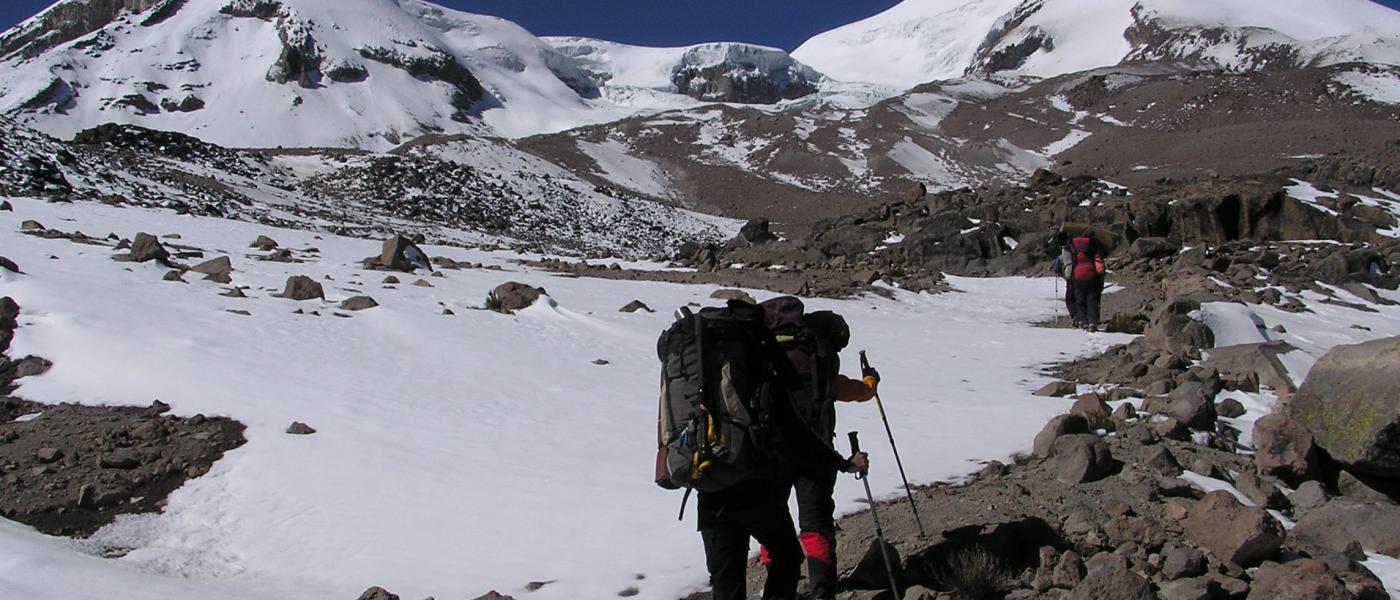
{"x": 758, "y": 509}
{"x": 813, "y": 349}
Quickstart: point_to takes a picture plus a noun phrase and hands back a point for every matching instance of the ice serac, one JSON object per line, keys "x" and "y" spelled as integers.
{"x": 716, "y": 72}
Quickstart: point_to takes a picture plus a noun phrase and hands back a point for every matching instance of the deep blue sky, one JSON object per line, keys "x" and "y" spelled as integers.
{"x": 780, "y": 23}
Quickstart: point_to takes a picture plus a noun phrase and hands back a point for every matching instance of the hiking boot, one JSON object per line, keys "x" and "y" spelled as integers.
{"x": 1094, "y": 328}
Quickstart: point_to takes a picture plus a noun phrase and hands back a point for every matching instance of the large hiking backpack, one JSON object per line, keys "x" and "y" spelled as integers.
{"x": 1084, "y": 252}
{"x": 812, "y": 343}
{"x": 717, "y": 394}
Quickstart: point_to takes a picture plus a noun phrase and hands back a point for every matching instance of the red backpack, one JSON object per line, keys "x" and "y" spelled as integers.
{"x": 1087, "y": 262}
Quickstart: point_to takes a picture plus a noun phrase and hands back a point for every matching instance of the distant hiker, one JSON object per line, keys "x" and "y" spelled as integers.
{"x": 728, "y": 431}
{"x": 812, "y": 342}
{"x": 1063, "y": 267}
{"x": 1088, "y": 274}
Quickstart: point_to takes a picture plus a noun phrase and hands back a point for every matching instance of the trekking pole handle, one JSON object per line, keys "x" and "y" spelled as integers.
{"x": 855, "y": 442}
{"x": 864, "y": 364}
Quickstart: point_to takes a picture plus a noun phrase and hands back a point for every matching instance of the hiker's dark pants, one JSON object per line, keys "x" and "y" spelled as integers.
{"x": 1070, "y": 304}
{"x": 726, "y": 524}
{"x": 1086, "y": 298}
{"x": 816, "y": 510}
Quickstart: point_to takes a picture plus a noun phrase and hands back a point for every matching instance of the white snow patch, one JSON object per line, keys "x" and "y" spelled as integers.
{"x": 620, "y": 167}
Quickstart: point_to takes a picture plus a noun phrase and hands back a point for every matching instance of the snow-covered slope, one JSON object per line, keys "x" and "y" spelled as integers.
{"x": 925, "y": 40}
{"x": 454, "y": 453}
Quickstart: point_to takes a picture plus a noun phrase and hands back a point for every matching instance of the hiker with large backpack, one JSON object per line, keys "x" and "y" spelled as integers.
{"x": 812, "y": 343}
{"x": 1063, "y": 267}
{"x": 729, "y": 433}
{"x": 1088, "y": 271}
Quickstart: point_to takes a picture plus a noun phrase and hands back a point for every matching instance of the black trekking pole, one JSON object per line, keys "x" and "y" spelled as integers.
{"x": 865, "y": 366}
{"x": 879, "y": 531}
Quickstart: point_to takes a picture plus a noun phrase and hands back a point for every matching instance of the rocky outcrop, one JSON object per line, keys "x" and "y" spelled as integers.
{"x": 300, "y": 58}
{"x": 1284, "y": 448}
{"x": 1342, "y": 522}
{"x": 68, "y": 21}
{"x": 742, "y": 74}
{"x": 430, "y": 63}
{"x": 1350, "y": 402}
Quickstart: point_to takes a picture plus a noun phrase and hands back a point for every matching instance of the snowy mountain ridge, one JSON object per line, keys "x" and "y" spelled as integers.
{"x": 373, "y": 75}
{"x": 925, "y": 40}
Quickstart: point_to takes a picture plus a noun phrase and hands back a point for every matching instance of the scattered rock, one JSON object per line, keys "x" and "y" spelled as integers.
{"x": 1195, "y": 588}
{"x": 739, "y": 295}
{"x": 120, "y": 458}
{"x": 635, "y": 306}
{"x": 1191, "y": 405}
{"x": 1343, "y": 521}
{"x": 422, "y": 283}
{"x": 1081, "y": 458}
{"x": 1260, "y": 491}
{"x": 1125, "y": 412}
{"x": 173, "y": 275}
{"x": 1160, "y": 460}
{"x": 1091, "y": 407}
{"x": 1230, "y": 408}
{"x": 1297, "y": 580}
{"x": 218, "y": 266}
{"x": 512, "y": 296}
{"x": 264, "y": 243}
{"x": 147, "y": 248}
{"x": 401, "y": 254}
{"x": 1284, "y": 449}
{"x": 9, "y": 265}
{"x": 299, "y": 428}
{"x": 869, "y": 572}
{"x": 1309, "y": 495}
{"x": 1233, "y": 532}
{"x": 1111, "y": 577}
{"x": 234, "y": 293}
{"x": 1353, "y": 487}
{"x": 48, "y": 455}
{"x": 359, "y": 303}
{"x": 1180, "y": 560}
{"x": 301, "y": 287}
{"x": 1059, "y": 426}
{"x": 391, "y": 280}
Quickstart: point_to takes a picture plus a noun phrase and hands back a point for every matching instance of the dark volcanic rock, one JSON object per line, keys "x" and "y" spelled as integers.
{"x": 1057, "y": 427}
{"x": 359, "y": 303}
{"x": 1351, "y": 404}
{"x": 1191, "y": 404}
{"x": 299, "y": 428}
{"x": 635, "y": 306}
{"x": 1111, "y": 577}
{"x": 378, "y": 593}
{"x": 147, "y": 247}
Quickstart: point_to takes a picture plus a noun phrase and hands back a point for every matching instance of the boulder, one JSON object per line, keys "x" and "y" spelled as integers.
{"x": 1284, "y": 449}
{"x": 1159, "y": 459}
{"x": 264, "y": 243}
{"x": 401, "y": 254}
{"x": 8, "y": 265}
{"x": 218, "y": 266}
{"x": 1231, "y": 531}
{"x": 1355, "y": 488}
{"x": 1230, "y": 408}
{"x": 512, "y": 296}
{"x": 1297, "y": 580}
{"x": 755, "y": 232}
{"x": 1081, "y": 458}
{"x": 1153, "y": 247}
{"x": 739, "y": 295}
{"x": 1111, "y": 577}
{"x": 1342, "y": 521}
{"x": 1057, "y": 388}
{"x": 301, "y": 287}
{"x": 1195, "y": 588}
{"x": 1173, "y": 329}
{"x": 299, "y": 428}
{"x": 1179, "y": 560}
{"x": 1058, "y": 426}
{"x": 635, "y": 306}
{"x": 358, "y": 303}
{"x": 147, "y": 248}
{"x": 1261, "y": 360}
{"x": 1310, "y": 495}
{"x": 1351, "y": 404}
{"x": 1192, "y": 405}
{"x": 1068, "y": 571}
{"x": 1092, "y": 408}
{"x": 1125, "y": 412}
{"x": 1260, "y": 491}
{"x": 1171, "y": 429}
{"x": 869, "y": 571}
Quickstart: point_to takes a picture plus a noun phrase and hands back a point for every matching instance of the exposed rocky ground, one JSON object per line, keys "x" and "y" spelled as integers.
{"x": 70, "y": 469}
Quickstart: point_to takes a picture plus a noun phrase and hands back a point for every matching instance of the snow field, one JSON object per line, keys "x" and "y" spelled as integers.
{"x": 454, "y": 454}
